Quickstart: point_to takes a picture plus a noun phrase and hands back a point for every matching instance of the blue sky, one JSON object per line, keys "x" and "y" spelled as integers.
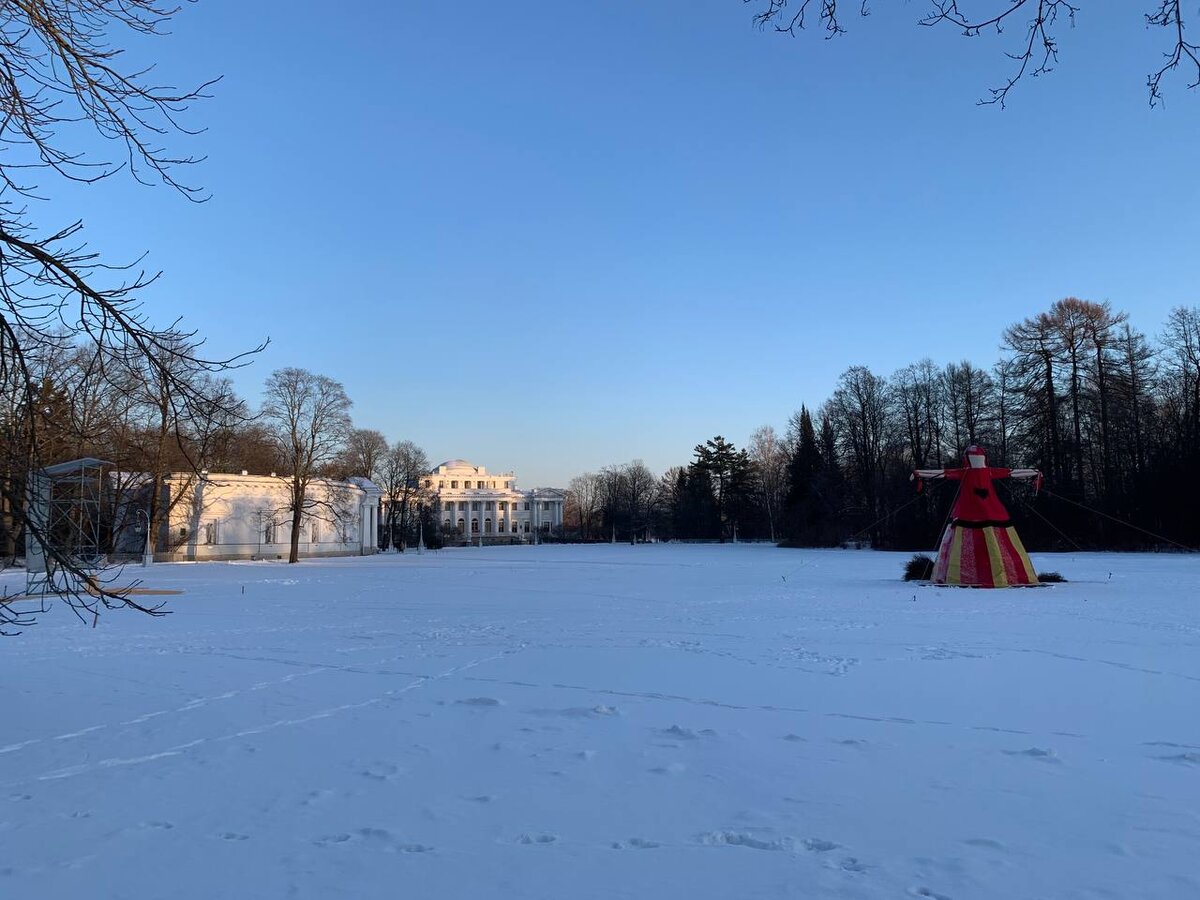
{"x": 552, "y": 238}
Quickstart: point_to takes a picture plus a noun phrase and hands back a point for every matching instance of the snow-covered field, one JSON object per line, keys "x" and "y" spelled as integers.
{"x": 610, "y": 721}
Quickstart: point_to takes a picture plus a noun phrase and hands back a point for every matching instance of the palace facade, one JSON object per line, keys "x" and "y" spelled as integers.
{"x": 474, "y": 502}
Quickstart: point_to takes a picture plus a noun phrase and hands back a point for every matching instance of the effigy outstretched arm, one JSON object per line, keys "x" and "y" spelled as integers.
{"x": 920, "y": 476}
{"x": 1028, "y": 475}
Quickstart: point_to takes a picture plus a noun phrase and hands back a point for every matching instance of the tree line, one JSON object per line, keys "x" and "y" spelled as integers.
{"x": 148, "y": 427}
{"x": 1110, "y": 416}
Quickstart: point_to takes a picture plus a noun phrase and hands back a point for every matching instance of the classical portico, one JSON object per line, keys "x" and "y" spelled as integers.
{"x": 475, "y": 502}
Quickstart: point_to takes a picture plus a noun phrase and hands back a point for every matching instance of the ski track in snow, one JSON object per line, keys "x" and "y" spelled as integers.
{"x": 603, "y": 721}
{"x": 73, "y": 771}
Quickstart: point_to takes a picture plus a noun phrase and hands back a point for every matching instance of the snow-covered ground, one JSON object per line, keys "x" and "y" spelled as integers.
{"x": 610, "y": 721}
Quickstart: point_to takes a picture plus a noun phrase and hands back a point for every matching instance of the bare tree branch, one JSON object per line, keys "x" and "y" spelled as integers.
{"x": 1037, "y": 51}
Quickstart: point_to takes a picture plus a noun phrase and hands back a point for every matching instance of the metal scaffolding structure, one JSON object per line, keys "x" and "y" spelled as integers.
{"x": 68, "y": 507}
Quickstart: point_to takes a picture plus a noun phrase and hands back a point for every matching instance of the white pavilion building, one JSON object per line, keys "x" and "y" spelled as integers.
{"x": 476, "y": 502}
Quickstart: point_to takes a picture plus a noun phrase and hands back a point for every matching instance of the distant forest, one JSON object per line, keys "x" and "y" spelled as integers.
{"x": 1111, "y": 418}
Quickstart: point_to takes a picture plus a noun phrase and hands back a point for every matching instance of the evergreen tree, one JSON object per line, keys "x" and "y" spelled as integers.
{"x": 729, "y": 474}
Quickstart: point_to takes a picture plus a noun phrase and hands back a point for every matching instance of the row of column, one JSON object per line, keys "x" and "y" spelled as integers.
{"x": 537, "y": 515}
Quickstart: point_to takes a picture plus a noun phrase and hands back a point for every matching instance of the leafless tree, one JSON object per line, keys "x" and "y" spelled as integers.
{"x": 583, "y": 500}
{"x": 308, "y": 417}
{"x": 401, "y": 472}
{"x": 364, "y": 453}
{"x": 62, "y": 74}
{"x": 769, "y": 456}
{"x": 639, "y": 489}
{"x": 859, "y": 410}
{"x": 1037, "y": 23}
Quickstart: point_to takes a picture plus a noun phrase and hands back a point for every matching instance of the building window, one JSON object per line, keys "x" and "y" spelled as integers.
{"x": 461, "y": 525}
{"x": 210, "y": 532}
{"x": 446, "y": 525}
{"x": 454, "y": 484}
{"x": 487, "y": 526}
{"x": 441, "y": 484}
{"x": 526, "y": 506}
{"x": 503, "y": 527}
{"x": 508, "y": 485}
{"x": 527, "y": 526}
{"x": 546, "y": 506}
{"x": 474, "y": 526}
{"x": 474, "y": 506}
{"x": 514, "y": 527}
{"x": 428, "y": 482}
{"x": 546, "y": 527}
{"x": 490, "y": 505}
{"x": 462, "y": 504}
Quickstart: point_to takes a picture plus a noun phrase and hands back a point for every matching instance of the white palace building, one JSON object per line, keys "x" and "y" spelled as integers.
{"x": 475, "y": 502}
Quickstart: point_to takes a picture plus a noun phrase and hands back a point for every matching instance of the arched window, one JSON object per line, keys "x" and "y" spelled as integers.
{"x": 474, "y": 526}
{"x": 461, "y": 525}
{"x": 446, "y": 525}
{"x": 503, "y": 527}
{"x": 487, "y": 526}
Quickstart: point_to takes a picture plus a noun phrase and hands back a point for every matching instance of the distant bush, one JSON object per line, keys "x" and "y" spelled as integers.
{"x": 919, "y": 568}
{"x": 1050, "y": 578}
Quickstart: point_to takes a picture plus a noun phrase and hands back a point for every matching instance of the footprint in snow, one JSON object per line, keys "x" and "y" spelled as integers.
{"x": 676, "y": 731}
{"x": 537, "y": 838}
{"x": 234, "y": 836}
{"x": 669, "y": 769}
{"x": 1187, "y": 758}
{"x": 579, "y": 712}
{"x": 817, "y": 845}
{"x": 635, "y": 844}
{"x": 480, "y": 701}
{"x": 380, "y": 838}
{"x": 381, "y": 772}
{"x": 927, "y": 892}
{"x": 330, "y": 840}
{"x": 743, "y": 839}
{"x": 1043, "y": 754}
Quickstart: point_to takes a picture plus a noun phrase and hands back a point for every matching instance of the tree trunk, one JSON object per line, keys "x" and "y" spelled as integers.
{"x": 297, "y": 516}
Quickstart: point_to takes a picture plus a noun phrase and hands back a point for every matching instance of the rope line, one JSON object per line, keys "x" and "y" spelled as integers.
{"x": 1100, "y": 512}
{"x": 1061, "y": 533}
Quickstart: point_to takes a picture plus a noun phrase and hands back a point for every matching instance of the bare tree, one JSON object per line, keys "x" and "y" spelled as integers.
{"x": 859, "y": 410}
{"x": 364, "y": 452}
{"x": 1038, "y": 22}
{"x": 769, "y": 455}
{"x": 400, "y": 471}
{"x": 639, "y": 489}
{"x": 583, "y": 494}
{"x": 308, "y": 417}
{"x": 61, "y": 77}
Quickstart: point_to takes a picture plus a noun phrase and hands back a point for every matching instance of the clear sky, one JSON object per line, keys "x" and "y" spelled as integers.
{"x": 549, "y": 238}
